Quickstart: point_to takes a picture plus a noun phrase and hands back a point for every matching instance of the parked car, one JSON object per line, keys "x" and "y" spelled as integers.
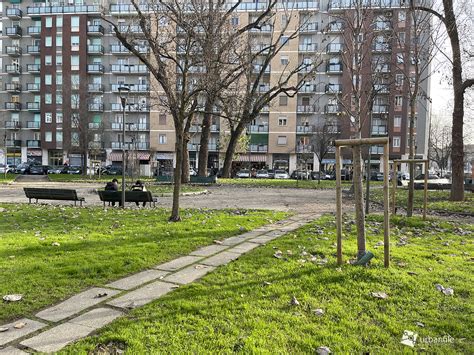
{"x": 281, "y": 174}
{"x": 112, "y": 170}
{"x": 244, "y": 173}
{"x": 38, "y": 170}
{"x": 300, "y": 175}
{"x": 262, "y": 174}
{"x": 55, "y": 169}
{"x": 7, "y": 168}
{"x": 74, "y": 170}
{"x": 316, "y": 175}
{"x": 434, "y": 182}
{"x": 22, "y": 168}
{"x": 271, "y": 173}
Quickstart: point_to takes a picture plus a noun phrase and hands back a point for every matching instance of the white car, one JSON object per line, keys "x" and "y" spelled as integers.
{"x": 262, "y": 174}
{"x": 244, "y": 173}
{"x": 281, "y": 174}
{"x": 5, "y": 169}
{"x": 434, "y": 182}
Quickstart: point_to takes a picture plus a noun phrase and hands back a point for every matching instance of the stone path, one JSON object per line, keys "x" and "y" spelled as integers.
{"x": 55, "y": 327}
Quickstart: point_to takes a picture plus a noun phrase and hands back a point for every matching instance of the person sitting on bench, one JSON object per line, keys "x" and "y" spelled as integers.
{"x": 138, "y": 186}
{"x": 112, "y": 186}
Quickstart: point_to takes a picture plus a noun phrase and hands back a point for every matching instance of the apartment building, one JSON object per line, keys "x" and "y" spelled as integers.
{"x": 61, "y": 63}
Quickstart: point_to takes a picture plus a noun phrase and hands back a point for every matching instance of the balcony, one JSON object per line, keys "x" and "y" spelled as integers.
{"x": 263, "y": 29}
{"x": 95, "y": 69}
{"x": 129, "y": 69}
{"x": 95, "y": 49}
{"x": 34, "y": 31}
{"x": 335, "y": 27}
{"x": 118, "y": 49}
{"x": 126, "y": 9}
{"x": 13, "y": 87}
{"x": 14, "y": 13}
{"x": 60, "y": 9}
{"x": 380, "y": 109}
{"x": 95, "y": 88}
{"x": 263, "y": 88}
{"x": 258, "y": 128}
{"x": 382, "y": 26}
{"x": 33, "y": 68}
{"x": 304, "y": 129}
{"x": 33, "y": 124}
{"x": 33, "y": 106}
{"x": 308, "y": 47}
{"x": 13, "y": 69}
{"x": 195, "y": 128}
{"x": 117, "y": 107}
{"x": 334, "y": 48}
{"x": 333, "y": 109}
{"x": 95, "y": 125}
{"x": 258, "y": 148}
{"x": 304, "y": 148}
{"x": 14, "y": 31}
{"x": 15, "y": 125}
{"x": 131, "y": 146}
{"x": 309, "y": 27}
{"x": 376, "y": 150}
{"x": 382, "y": 88}
{"x": 379, "y": 130}
{"x": 33, "y": 144}
{"x": 13, "y": 51}
{"x": 132, "y": 87}
{"x": 134, "y": 29}
{"x": 382, "y": 68}
{"x": 95, "y": 30}
{"x": 381, "y": 47}
{"x": 257, "y": 68}
{"x": 306, "y": 109}
{"x": 308, "y": 88}
{"x": 335, "y": 68}
{"x": 33, "y": 49}
{"x": 33, "y": 87}
{"x": 333, "y": 89}
{"x": 96, "y": 107}
{"x": 260, "y": 48}
{"x": 12, "y": 106}
{"x": 13, "y": 143}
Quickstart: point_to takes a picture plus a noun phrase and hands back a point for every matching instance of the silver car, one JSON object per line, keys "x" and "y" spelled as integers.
{"x": 281, "y": 174}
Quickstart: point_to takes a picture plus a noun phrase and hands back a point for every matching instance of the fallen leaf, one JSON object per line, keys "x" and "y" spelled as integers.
{"x": 323, "y": 350}
{"x": 420, "y": 324}
{"x": 100, "y": 295}
{"x": 217, "y": 242}
{"x": 55, "y": 244}
{"x": 448, "y": 291}
{"x": 12, "y": 298}
{"x": 19, "y": 325}
{"x": 439, "y": 287}
{"x": 381, "y": 295}
{"x": 319, "y": 312}
{"x": 266, "y": 283}
{"x": 294, "y": 301}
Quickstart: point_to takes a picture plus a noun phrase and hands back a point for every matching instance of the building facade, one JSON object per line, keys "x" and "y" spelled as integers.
{"x": 62, "y": 67}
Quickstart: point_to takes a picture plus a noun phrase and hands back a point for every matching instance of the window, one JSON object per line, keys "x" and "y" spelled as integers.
{"x": 284, "y": 60}
{"x": 162, "y": 138}
{"x": 48, "y": 99}
{"x": 282, "y": 140}
{"x": 397, "y": 121}
{"x": 283, "y": 100}
{"x": 75, "y": 43}
{"x": 74, "y": 62}
{"x": 48, "y": 79}
{"x": 48, "y": 41}
{"x": 282, "y": 121}
{"x": 400, "y": 59}
{"x": 163, "y": 21}
{"x": 59, "y": 41}
{"x": 59, "y": 136}
{"x": 59, "y": 21}
{"x": 284, "y": 20}
{"x": 48, "y": 136}
{"x": 396, "y": 142}
{"x": 234, "y": 21}
{"x": 399, "y": 78}
{"x": 284, "y": 40}
{"x": 59, "y": 60}
{"x": 48, "y": 60}
{"x": 48, "y": 117}
{"x": 59, "y": 117}
{"x": 74, "y": 23}
{"x": 59, "y": 99}
{"x": 398, "y": 100}
{"x": 162, "y": 119}
{"x": 75, "y": 139}
{"x": 48, "y": 22}
{"x": 402, "y": 16}
{"x": 59, "y": 79}
{"x": 401, "y": 38}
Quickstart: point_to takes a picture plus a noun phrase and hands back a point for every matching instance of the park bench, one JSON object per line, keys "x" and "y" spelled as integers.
{"x": 130, "y": 196}
{"x": 52, "y": 194}
{"x": 205, "y": 180}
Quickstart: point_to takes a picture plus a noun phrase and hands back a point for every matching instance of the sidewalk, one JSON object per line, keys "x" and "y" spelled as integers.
{"x": 57, "y": 326}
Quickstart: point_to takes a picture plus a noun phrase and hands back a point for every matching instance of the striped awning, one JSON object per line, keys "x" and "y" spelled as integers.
{"x": 34, "y": 153}
{"x": 139, "y": 156}
{"x": 257, "y": 158}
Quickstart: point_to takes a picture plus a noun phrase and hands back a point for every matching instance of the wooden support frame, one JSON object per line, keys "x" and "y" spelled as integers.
{"x": 395, "y": 181}
{"x": 386, "y": 221}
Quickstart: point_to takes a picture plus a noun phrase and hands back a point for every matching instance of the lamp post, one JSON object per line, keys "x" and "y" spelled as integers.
{"x": 123, "y": 91}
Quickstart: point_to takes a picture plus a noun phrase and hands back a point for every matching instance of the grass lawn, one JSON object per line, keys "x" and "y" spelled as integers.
{"x": 245, "y": 306}
{"x": 437, "y": 200}
{"x": 5, "y": 179}
{"x": 289, "y": 183}
{"x": 97, "y": 246}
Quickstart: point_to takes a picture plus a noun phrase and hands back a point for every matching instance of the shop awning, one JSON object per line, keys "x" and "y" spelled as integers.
{"x": 115, "y": 157}
{"x": 34, "y": 153}
{"x": 138, "y": 155}
{"x": 256, "y": 158}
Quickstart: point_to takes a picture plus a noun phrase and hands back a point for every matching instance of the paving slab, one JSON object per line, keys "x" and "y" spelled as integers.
{"x": 233, "y": 240}
{"x": 97, "y": 318}
{"x": 244, "y": 247}
{"x": 13, "y": 333}
{"x": 179, "y": 263}
{"x": 127, "y": 283}
{"x": 76, "y": 304}
{"x": 221, "y": 259}
{"x": 57, "y": 338}
{"x": 10, "y": 350}
{"x": 189, "y": 274}
{"x": 263, "y": 239}
{"x": 209, "y": 250}
{"x": 142, "y": 295}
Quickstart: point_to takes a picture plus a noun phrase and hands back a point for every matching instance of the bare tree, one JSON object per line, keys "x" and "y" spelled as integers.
{"x": 323, "y": 139}
{"x": 440, "y": 145}
{"x": 450, "y": 20}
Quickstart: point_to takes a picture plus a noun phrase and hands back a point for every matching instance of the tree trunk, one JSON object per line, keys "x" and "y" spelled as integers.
{"x": 205, "y": 134}
{"x": 411, "y": 155}
{"x": 457, "y": 152}
{"x": 185, "y": 166}
{"x": 229, "y": 153}
{"x": 359, "y": 200}
{"x": 177, "y": 171}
